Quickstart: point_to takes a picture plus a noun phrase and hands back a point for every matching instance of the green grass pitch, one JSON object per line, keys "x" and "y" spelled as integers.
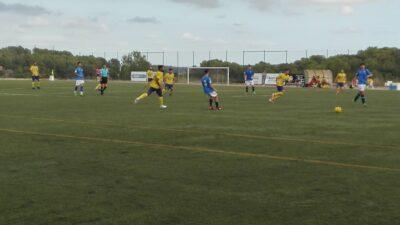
{"x": 103, "y": 160}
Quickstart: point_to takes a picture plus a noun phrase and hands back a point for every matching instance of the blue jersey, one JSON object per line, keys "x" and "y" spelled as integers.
{"x": 104, "y": 72}
{"x": 362, "y": 76}
{"x": 206, "y": 82}
{"x": 79, "y": 73}
{"x": 249, "y": 75}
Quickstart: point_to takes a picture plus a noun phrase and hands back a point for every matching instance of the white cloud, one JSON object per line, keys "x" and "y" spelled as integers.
{"x": 346, "y": 7}
{"x": 207, "y": 4}
{"x": 347, "y": 10}
{"x": 187, "y": 36}
{"x": 36, "y": 22}
{"x": 83, "y": 24}
{"x": 139, "y": 19}
{"x": 191, "y": 37}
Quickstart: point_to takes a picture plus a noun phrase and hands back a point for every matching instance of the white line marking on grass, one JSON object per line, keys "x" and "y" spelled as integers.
{"x": 207, "y": 150}
{"x": 227, "y": 134}
{"x": 17, "y": 94}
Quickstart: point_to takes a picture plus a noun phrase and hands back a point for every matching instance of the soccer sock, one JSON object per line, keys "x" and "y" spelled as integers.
{"x": 81, "y": 89}
{"x": 357, "y": 97}
{"x": 254, "y": 89}
{"x": 247, "y": 89}
{"x": 216, "y": 104}
{"x": 38, "y": 84}
{"x": 161, "y": 100}
{"x": 211, "y": 102}
{"x": 363, "y": 99}
{"x": 33, "y": 84}
{"x": 144, "y": 95}
{"x": 278, "y": 95}
{"x": 76, "y": 88}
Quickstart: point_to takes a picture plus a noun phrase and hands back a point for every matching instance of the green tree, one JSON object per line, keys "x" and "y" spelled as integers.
{"x": 134, "y": 61}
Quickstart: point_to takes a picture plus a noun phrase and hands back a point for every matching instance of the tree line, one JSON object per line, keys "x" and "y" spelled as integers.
{"x": 15, "y": 62}
{"x": 383, "y": 62}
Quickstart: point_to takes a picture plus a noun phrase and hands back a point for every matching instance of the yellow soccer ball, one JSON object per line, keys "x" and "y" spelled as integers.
{"x": 338, "y": 109}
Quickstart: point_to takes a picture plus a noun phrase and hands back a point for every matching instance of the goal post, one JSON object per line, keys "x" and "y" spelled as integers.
{"x": 220, "y": 75}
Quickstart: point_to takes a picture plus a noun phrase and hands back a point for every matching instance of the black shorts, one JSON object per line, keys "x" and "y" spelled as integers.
{"x": 35, "y": 78}
{"x": 157, "y": 91}
{"x": 104, "y": 80}
{"x": 169, "y": 87}
{"x": 340, "y": 85}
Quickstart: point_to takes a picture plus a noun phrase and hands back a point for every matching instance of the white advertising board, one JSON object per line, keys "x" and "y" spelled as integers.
{"x": 137, "y": 76}
{"x": 271, "y": 78}
{"x": 258, "y": 79}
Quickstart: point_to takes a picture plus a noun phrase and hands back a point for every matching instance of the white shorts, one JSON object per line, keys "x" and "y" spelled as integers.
{"x": 362, "y": 87}
{"x": 249, "y": 82}
{"x": 213, "y": 94}
{"x": 79, "y": 82}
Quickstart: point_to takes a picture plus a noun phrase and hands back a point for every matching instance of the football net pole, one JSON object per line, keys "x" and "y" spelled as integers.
{"x": 209, "y": 68}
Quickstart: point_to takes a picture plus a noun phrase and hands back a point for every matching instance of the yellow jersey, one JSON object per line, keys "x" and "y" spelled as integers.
{"x": 281, "y": 79}
{"x": 157, "y": 80}
{"x": 34, "y": 70}
{"x": 341, "y": 78}
{"x": 169, "y": 78}
{"x": 150, "y": 74}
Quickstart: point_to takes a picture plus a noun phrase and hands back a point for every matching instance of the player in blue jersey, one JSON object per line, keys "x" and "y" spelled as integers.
{"x": 104, "y": 73}
{"x": 79, "y": 79}
{"x": 249, "y": 79}
{"x": 362, "y": 76}
{"x": 210, "y": 91}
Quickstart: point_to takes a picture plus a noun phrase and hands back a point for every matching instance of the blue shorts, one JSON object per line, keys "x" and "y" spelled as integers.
{"x": 169, "y": 86}
{"x": 35, "y": 78}
{"x": 340, "y": 85}
{"x": 157, "y": 91}
{"x": 279, "y": 88}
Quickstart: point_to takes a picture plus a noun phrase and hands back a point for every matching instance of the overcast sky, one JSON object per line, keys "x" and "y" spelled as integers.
{"x": 201, "y": 25}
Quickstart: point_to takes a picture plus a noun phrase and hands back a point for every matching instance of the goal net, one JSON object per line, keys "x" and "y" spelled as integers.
{"x": 219, "y": 75}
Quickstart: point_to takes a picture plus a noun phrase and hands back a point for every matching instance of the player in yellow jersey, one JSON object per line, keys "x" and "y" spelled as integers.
{"x": 150, "y": 74}
{"x": 156, "y": 85}
{"x": 35, "y": 76}
{"x": 169, "y": 80}
{"x": 281, "y": 81}
{"x": 341, "y": 80}
{"x": 370, "y": 82}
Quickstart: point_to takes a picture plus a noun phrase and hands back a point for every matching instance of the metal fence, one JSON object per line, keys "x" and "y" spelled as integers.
{"x": 194, "y": 58}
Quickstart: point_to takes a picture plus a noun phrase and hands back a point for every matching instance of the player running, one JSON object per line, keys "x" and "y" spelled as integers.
{"x": 150, "y": 74}
{"x": 281, "y": 81}
{"x": 249, "y": 79}
{"x": 362, "y": 76}
{"x": 104, "y": 79}
{"x": 156, "y": 85}
{"x": 35, "y": 76}
{"x": 340, "y": 80}
{"x": 98, "y": 77}
{"x": 210, "y": 91}
{"x": 79, "y": 79}
{"x": 371, "y": 83}
{"x": 169, "y": 80}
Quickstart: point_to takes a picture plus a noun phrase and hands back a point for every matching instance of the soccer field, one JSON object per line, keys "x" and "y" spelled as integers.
{"x": 103, "y": 160}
